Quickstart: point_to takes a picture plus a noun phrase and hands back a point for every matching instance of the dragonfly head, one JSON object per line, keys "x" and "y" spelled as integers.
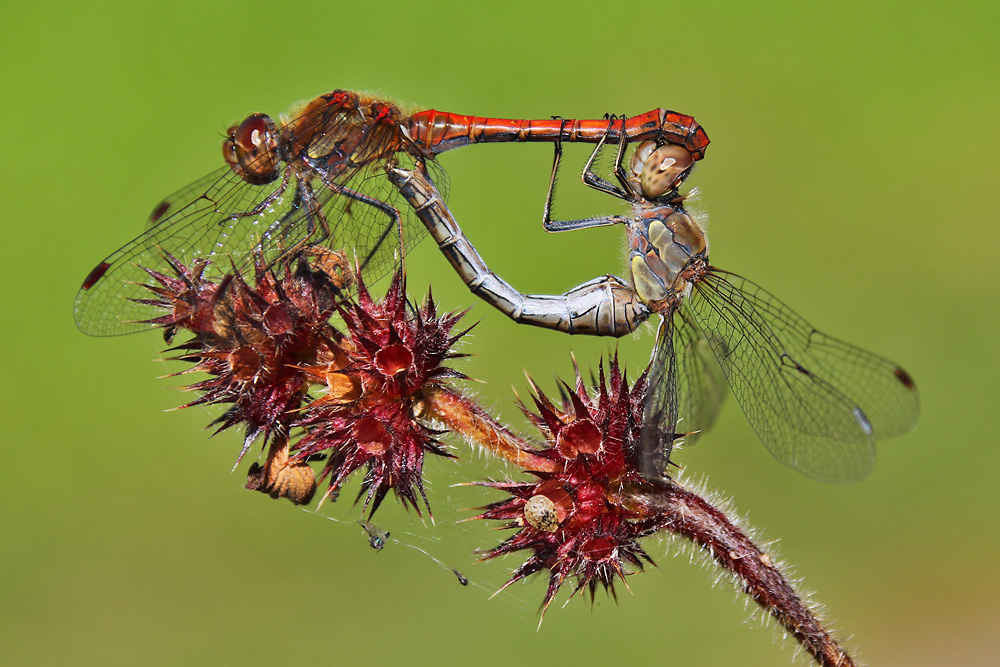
{"x": 251, "y": 149}
{"x": 660, "y": 170}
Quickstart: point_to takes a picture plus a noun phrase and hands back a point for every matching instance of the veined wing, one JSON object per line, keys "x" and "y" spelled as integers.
{"x": 229, "y": 222}
{"x": 686, "y": 390}
{"x": 701, "y": 384}
{"x": 659, "y": 415}
{"x": 816, "y": 402}
{"x": 218, "y": 218}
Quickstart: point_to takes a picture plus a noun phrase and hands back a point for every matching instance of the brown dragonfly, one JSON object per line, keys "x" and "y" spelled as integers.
{"x": 818, "y": 403}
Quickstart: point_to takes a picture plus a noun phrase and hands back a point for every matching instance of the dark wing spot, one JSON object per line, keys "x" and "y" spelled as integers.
{"x": 905, "y": 378}
{"x": 158, "y": 212}
{"x": 95, "y": 275}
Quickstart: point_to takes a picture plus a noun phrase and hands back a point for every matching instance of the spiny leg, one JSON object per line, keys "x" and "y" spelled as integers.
{"x": 589, "y": 178}
{"x": 620, "y": 172}
{"x": 318, "y": 227}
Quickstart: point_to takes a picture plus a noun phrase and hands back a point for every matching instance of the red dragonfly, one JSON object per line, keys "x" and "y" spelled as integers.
{"x": 318, "y": 178}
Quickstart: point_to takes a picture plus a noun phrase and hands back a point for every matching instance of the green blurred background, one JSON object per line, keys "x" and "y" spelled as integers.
{"x": 854, "y": 145}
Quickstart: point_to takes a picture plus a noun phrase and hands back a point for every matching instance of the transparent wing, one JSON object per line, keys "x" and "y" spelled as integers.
{"x": 659, "y": 416}
{"x": 223, "y": 219}
{"x": 686, "y": 390}
{"x": 816, "y": 402}
{"x": 187, "y": 196}
{"x": 701, "y": 384}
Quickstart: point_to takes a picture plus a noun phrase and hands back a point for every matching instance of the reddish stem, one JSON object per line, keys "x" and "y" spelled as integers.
{"x": 467, "y": 419}
{"x": 687, "y": 514}
{"x": 680, "y": 511}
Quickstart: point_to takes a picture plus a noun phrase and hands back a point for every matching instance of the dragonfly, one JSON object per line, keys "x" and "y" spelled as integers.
{"x": 817, "y": 403}
{"x": 314, "y": 179}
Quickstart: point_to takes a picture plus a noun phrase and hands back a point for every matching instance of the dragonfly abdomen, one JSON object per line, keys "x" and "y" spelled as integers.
{"x": 604, "y": 306}
{"x": 438, "y": 131}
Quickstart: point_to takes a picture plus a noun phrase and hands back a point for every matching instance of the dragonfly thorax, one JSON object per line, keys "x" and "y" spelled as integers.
{"x": 667, "y": 250}
{"x": 345, "y": 131}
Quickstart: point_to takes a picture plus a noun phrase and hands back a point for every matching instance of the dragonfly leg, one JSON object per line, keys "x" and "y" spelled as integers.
{"x": 264, "y": 203}
{"x": 304, "y": 198}
{"x": 620, "y": 172}
{"x": 604, "y": 306}
{"x": 591, "y": 179}
{"x": 394, "y": 222}
{"x": 595, "y": 181}
{"x": 318, "y": 227}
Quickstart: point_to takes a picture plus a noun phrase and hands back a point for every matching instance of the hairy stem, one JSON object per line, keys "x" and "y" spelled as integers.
{"x": 680, "y": 511}
{"x": 688, "y": 514}
{"x": 464, "y": 417}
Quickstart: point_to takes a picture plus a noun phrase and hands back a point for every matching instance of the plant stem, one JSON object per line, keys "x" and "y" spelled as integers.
{"x": 688, "y": 514}
{"x": 464, "y": 417}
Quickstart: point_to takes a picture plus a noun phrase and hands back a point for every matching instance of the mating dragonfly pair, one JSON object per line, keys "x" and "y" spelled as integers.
{"x": 353, "y": 172}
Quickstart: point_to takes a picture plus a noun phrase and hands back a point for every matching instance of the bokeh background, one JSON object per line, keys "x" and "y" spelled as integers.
{"x": 853, "y": 172}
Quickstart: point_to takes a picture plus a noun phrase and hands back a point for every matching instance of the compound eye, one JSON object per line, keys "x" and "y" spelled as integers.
{"x": 252, "y": 151}
{"x": 664, "y": 170}
{"x": 253, "y": 131}
{"x": 641, "y": 155}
